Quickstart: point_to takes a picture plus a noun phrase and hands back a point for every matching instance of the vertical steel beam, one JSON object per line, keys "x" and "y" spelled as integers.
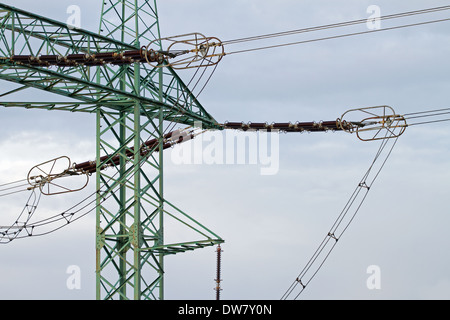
{"x": 161, "y": 192}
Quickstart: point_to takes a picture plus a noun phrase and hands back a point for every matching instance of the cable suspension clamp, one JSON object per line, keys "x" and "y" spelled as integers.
{"x": 299, "y": 280}
{"x": 331, "y": 235}
{"x": 47, "y": 177}
{"x": 378, "y": 123}
{"x": 192, "y": 50}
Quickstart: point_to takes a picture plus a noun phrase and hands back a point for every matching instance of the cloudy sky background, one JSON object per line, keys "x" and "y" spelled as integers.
{"x": 271, "y": 223}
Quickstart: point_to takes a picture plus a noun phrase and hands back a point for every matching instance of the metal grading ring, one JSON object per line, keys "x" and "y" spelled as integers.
{"x": 191, "y": 50}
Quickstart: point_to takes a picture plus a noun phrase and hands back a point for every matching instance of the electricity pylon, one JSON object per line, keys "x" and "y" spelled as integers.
{"x": 133, "y": 103}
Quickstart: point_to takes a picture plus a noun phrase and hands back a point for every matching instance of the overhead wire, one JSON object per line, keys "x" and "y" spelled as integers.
{"x": 67, "y": 216}
{"x": 6, "y": 235}
{"x": 335, "y": 26}
{"x": 12, "y": 188}
{"x": 13, "y": 182}
{"x": 323, "y": 251}
{"x": 428, "y": 122}
{"x": 335, "y": 36}
{"x": 425, "y": 114}
{"x": 316, "y": 262}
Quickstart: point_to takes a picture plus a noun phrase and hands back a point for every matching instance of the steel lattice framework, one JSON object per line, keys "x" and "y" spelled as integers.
{"x": 133, "y": 103}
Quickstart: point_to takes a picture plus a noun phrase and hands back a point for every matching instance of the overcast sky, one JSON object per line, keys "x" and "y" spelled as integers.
{"x": 271, "y": 224}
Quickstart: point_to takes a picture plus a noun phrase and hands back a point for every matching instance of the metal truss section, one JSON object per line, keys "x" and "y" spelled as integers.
{"x": 130, "y": 21}
{"x": 28, "y": 34}
{"x": 132, "y": 211}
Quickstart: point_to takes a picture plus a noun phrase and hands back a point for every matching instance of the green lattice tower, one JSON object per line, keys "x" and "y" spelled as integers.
{"x": 132, "y": 103}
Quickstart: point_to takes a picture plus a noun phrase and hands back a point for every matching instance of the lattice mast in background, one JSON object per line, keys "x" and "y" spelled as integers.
{"x": 133, "y": 103}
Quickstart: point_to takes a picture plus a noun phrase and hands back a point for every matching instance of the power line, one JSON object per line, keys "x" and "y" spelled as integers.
{"x": 343, "y": 220}
{"x": 427, "y": 114}
{"x": 335, "y": 25}
{"x": 337, "y": 36}
{"x": 13, "y": 182}
{"x": 428, "y": 122}
{"x": 13, "y": 187}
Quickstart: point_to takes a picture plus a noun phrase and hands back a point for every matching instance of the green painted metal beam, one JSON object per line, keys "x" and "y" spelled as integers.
{"x": 24, "y": 33}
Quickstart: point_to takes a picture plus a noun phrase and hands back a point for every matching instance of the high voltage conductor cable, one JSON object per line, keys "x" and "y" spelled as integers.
{"x": 67, "y": 216}
{"x": 11, "y": 188}
{"x": 428, "y": 122}
{"x": 13, "y": 182}
{"x": 9, "y": 233}
{"x": 337, "y": 36}
{"x": 335, "y": 25}
{"x": 12, "y": 232}
{"x": 428, "y": 114}
{"x": 194, "y": 50}
{"x": 323, "y": 251}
